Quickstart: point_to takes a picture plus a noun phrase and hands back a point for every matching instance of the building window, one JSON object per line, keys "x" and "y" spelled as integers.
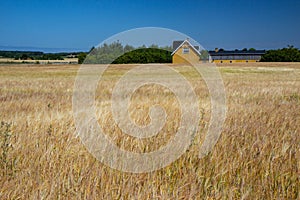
{"x": 185, "y": 50}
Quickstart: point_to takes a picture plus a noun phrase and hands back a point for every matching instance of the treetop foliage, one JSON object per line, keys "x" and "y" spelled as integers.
{"x": 116, "y": 53}
{"x": 35, "y": 55}
{"x": 289, "y": 54}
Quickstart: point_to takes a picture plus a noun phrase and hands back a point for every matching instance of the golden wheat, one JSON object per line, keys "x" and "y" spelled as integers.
{"x": 257, "y": 156}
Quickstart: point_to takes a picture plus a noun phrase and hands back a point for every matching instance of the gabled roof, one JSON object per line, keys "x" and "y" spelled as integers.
{"x": 178, "y": 44}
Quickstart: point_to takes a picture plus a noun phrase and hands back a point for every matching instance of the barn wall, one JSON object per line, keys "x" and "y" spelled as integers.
{"x": 235, "y": 58}
{"x": 234, "y": 61}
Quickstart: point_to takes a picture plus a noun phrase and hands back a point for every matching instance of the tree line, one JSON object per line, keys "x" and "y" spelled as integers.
{"x": 36, "y": 55}
{"x": 288, "y": 54}
{"x": 116, "y": 53}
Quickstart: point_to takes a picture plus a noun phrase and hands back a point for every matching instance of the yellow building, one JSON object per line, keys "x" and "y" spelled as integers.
{"x": 185, "y": 53}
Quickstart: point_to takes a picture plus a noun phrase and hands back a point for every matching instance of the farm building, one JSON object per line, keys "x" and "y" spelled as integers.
{"x": 222, "y": 56}
{"x": 185, "y": 53}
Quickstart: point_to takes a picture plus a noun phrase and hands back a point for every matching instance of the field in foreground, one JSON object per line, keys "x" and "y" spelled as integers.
{"x": 257, "y": 156}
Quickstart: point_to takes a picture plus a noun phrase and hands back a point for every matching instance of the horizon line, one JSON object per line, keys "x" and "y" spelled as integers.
{"x": 71, "y": 50}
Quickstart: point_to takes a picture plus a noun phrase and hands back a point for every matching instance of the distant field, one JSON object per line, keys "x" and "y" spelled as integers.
{"x": 257, "y": 156}
{"x": 11, "y": 60}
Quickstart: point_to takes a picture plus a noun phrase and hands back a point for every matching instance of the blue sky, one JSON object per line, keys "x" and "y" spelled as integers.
{"x": 79, "y": 24}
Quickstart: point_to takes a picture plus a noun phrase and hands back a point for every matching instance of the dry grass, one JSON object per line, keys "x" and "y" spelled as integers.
{"x": 257, "y": 156}
{"x": 13, "y": 61}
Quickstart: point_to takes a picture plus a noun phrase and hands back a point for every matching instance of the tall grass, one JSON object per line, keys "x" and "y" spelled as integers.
{"x": 257, "y": 156}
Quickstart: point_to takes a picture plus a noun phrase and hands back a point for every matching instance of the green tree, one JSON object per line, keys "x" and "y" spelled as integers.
{"x": 81, "y": 57}
{"x": 204, "y": 55}
{"x": 24, "y": 57}
{"x": 117, "y": 53}
{"x": 147, "y": 55}
{"x": 128, "y": 48}
{"x": 289, "y": 54}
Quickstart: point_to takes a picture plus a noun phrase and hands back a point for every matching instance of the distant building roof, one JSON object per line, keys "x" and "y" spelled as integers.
{"x": 236, "y": 52}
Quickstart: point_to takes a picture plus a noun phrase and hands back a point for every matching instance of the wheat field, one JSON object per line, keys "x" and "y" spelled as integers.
{"x": 256, "y": 157}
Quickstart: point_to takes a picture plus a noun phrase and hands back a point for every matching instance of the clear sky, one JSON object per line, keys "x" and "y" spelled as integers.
{"x": 81, "y": 24}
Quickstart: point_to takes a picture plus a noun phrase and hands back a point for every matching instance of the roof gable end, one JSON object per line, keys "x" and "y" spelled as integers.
{"x": 182, "y": 43}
